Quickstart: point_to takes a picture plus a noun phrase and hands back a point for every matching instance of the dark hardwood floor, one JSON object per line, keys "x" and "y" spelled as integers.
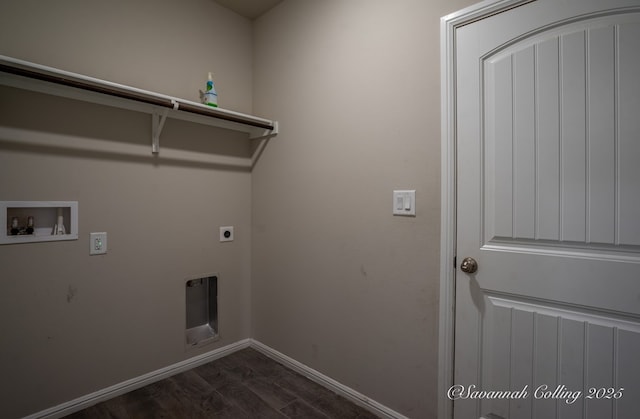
{"x": 245, "y": 384}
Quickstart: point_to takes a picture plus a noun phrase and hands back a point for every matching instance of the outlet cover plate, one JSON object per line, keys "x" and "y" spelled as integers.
{"x": 98, "y": 243}
{"x": 226, "y": 234}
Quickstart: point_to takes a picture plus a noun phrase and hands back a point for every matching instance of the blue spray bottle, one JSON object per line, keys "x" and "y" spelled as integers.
{"x": 210, "y": 95}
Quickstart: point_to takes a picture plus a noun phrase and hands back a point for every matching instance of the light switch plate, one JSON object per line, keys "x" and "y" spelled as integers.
{"x": 404, "y": 202}
{"x": 97, "y": 243}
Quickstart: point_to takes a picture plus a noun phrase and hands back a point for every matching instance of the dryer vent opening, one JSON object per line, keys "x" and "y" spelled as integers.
{"x": 202, "y": 310}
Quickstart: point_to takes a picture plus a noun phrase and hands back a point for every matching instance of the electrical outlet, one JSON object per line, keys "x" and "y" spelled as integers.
{"x": 226, "y": 234}
{"x": 97, "y": 243}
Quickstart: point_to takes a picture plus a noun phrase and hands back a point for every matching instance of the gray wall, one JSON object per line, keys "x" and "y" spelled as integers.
{"x": 320, "y": 270}
{"x": 339, "y": 283}
{"x": 71, "y": 323}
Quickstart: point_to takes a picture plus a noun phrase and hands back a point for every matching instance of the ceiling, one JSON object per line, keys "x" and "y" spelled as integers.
{"x": 249, "y": 8}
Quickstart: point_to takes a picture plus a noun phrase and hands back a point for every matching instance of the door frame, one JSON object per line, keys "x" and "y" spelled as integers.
{"x": 448, "y": 26}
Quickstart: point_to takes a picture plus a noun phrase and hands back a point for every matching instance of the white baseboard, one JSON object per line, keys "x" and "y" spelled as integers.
{"x": 347, "y": 392}
{"x": 115, "y": 390}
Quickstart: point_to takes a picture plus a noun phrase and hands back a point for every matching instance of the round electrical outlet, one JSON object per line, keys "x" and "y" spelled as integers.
{"x": 226, "y": 234}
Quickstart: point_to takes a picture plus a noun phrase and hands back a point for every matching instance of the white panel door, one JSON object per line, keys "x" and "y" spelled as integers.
{"x": 548, "y": 204}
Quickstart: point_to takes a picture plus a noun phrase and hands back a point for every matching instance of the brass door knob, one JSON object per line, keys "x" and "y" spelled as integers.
{"x": 469, "y": 265}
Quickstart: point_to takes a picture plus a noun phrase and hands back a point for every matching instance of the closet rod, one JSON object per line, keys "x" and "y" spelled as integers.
{"x": 52, "y": 75}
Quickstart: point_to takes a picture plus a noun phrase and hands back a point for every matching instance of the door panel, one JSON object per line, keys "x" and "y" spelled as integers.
{"x": 542, "y": 347}
{"x": 548, "y": 203}
{"x": 557, "y": 167}
{"x": 629, "y": 132}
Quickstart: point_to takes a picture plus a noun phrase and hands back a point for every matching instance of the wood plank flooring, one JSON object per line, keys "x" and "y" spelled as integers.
{"x": 245, "y": 384}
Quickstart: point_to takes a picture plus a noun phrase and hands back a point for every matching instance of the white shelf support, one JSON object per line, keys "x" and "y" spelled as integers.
{"x": 264, "y": 134}
{"x": 157, "y": 123}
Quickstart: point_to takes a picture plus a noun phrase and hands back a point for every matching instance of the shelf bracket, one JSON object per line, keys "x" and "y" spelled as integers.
{"x": 157, "y": 123}
{"x": 264, "y": 134}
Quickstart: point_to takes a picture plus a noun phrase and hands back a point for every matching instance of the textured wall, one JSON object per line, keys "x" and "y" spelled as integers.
{"x": 72, "y": 323}
{"x": 163, "y": 46}
{"x": 338, "y": 282}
